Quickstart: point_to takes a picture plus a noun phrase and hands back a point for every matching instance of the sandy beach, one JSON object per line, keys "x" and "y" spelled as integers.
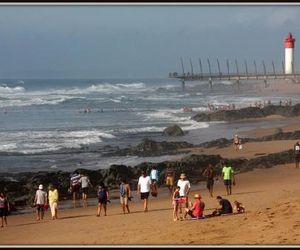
{"x": 269, "y": 195}
{"x": 271, "y": 198}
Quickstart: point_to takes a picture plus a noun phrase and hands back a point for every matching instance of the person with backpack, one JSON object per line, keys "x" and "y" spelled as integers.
{"x": 125, "y": 195}
{"x": 75, "y": 186}
{"x": 297, "y": 154}
{"x": 103, "y": 198}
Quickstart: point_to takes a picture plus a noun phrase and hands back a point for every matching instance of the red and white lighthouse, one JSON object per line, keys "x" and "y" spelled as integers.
{"x": 289, "y": 44}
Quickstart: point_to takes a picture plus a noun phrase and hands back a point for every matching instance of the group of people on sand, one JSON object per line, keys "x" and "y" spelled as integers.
{"x": 147, "y": 184}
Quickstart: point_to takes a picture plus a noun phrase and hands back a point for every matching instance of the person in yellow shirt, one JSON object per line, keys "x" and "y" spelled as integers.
{"x": 53, "y": 200}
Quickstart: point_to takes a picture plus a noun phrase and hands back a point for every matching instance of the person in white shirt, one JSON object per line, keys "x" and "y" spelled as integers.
{"x": 185, "y": 188}
{"x": 40, "y": 201}
{"x": 154, "y": 180}
{"x": 144, "y": 187}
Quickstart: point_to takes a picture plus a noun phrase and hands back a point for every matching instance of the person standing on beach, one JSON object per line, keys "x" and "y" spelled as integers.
{"x": 103, "y": 198}
{"x": 228, "y": 176}
{"x": 4, "y": 208}
{"x": 210, "y": 174}
{"x": 236, "y": 142}
{"x": 85, "y": 184}
{"x": 53, "y": 200}
{"x": 154, "y": 179}
{"x": 144, "y": 186}
{"x": 125, "y": 195}
{"x": 40, "y": 201}
{"x": 175, "y": 203}
{"x": 297, "y": 154}
{"x": 185, "y": 188}
{"x": 75, "y": 186}
{"x": 169, "y": 178}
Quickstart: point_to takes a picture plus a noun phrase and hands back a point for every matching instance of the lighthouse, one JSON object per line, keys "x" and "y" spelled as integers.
{"x": 289, "y": 43}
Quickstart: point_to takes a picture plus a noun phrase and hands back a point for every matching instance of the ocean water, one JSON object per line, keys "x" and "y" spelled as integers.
{"x": 41, "y": 117}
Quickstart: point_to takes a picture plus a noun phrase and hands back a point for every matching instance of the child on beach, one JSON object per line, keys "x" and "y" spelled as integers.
{"x": 103, "y": 198}
{"x": 125, "y": 195}
{"x": 40, "y": 201}
{"x": 175, "y": 203}
{"x": 4, "y": 208}
{"x": 53, "y": 199}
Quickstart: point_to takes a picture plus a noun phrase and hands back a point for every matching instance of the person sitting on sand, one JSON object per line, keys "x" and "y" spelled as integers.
{"x": 4, "y": 208}
{"x": 196, "y": 209}
{"x": 40, "y": 201}
{"x": 175, "y": 203}
{"x": 53, "y": 200}
{"x": 225, "y": 207}
{"x": 169, "y": 178}
{"x": 125, "y": 195}
{"x": 228, "y": 176}
{"x": 103, "y": 198}
{"x": 144, "y": 185}
{"x": 238, "y": 207}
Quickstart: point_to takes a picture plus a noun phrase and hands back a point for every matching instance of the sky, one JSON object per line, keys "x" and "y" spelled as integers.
{"x": 140, "y": 41}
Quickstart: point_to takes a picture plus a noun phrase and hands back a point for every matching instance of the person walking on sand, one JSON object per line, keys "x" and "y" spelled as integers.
{"x": 184, "y": 191}
{"x": 210, "y": 174}
{"x": 144, "y": 186}
{"x": 175, "y": 203}
{"x": 74, "y": 186}
{"x": 4, "y": 208}
{"x": 53, "y": 200}
{"x": 125, "y": 195}
{"x": 40, "y": 201}
{"x": 228, "y": 176}
{"x": 169, "y": 178}
{"x": 196, "y": 209}
{"x": 297, "y": 154}
{"x": 85, "y": 184}
{"x": 154, "y": 179}
{"x": 103, "y": 198}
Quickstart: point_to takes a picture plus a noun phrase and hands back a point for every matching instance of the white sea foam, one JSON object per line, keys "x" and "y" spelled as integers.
{"x": 40, "y": 141}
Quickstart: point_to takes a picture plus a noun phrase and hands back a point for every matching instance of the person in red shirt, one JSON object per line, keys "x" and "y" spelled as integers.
{"x": 196, "y": 210}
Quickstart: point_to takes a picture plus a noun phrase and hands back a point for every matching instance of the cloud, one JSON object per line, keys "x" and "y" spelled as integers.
{"x": 272, "y": 18}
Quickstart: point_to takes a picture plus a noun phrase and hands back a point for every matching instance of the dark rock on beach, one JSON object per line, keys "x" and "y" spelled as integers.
{"x": 249, "y": 112}
{"x": 174, "y": 130}
{"x": 151, "y": 148}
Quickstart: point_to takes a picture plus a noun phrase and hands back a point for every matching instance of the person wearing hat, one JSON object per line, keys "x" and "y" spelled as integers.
{"x": 185, "y": 188}
{"x": 53, "y": 199}
{"x": 196, "y": 210}
{"x": 144, "y": 187}
{"x": 40, "y": 201}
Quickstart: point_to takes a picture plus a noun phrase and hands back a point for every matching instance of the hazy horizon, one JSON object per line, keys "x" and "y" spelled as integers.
{"x": 131, "y": 41}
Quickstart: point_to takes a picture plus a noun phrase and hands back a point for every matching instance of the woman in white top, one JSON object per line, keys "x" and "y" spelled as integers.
{"x": 144, "y": 186}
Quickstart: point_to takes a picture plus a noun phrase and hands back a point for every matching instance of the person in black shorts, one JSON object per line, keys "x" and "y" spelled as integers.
{"x": 103, "y": 198}
{"x": 4, "y": 208}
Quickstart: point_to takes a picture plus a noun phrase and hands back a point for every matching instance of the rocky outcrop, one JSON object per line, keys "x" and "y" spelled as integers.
{"x": 249, "y": 112}
{"x": 151, "y": 148}
{"x": 174, "y": 130}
